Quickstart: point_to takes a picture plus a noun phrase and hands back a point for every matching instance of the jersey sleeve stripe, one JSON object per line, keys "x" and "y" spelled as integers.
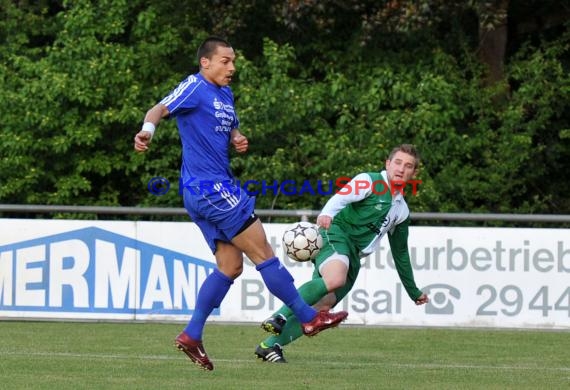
{"x": 181, "y": 89}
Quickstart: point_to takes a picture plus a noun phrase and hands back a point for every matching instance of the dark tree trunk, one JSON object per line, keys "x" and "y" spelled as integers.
{"x": 493, "y": 41}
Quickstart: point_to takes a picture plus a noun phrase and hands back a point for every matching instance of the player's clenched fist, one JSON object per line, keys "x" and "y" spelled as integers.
{"x": 422, "y": 299}
{"x": 239, "y": 141}
{"x": 324, "y": 221}
{"x": 142, "y": 140}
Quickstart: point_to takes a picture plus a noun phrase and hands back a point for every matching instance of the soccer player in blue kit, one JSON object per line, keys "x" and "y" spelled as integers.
{"x": 203, "y": 105}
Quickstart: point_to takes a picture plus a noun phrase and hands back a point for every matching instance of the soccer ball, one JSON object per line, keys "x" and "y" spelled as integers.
{"x": 302, "y": 241}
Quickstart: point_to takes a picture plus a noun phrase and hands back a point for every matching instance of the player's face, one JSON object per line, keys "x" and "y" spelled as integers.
{"x": 402, "y": 167}
{"x": 221, "y": 67}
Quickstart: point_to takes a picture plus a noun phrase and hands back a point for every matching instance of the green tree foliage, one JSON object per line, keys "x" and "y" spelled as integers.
{"x": 324, "y": 91}
{"x": 75, "y": 91}
{"x": 64, "y": 86}
{"x": 478, "y": 156}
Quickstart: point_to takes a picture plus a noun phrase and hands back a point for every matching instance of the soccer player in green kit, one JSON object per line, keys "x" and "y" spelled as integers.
{"x": 352, "y": 224}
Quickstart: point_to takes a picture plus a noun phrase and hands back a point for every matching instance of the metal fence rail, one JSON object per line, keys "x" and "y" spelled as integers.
{"x": 301, "y": 214}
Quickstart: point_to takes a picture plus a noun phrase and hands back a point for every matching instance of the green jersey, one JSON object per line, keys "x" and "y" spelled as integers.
{"x": 363, "y": 212}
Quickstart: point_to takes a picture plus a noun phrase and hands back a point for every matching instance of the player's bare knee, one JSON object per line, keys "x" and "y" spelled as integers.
{"x": 334, "y": 281}
{"x": 232, "y": 272}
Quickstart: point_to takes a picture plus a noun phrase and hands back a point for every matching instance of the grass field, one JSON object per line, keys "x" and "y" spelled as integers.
{"x": 63, "y": 355}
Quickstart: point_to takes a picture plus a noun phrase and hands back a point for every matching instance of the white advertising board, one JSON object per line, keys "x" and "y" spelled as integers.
{"x": 476, "y": 277}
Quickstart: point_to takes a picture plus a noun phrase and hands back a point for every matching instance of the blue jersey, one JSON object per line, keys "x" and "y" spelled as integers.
{"x": 205, "y": 116}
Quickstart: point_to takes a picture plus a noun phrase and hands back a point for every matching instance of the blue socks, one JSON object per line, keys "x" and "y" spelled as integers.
{"x": 280, "y": 283}
{"x": 210, "y": 296}
{"x": 277, "y": 279}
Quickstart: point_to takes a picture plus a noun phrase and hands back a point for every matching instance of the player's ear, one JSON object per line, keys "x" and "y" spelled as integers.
{"x": 204, "y": 62}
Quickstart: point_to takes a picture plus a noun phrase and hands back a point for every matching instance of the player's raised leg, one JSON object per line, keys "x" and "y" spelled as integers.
{"x": 279, "y": 281}
{"x": 311, "y": 292}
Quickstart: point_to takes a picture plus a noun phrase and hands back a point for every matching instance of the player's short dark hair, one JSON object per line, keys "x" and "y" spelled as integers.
{"x": 209, "y": 47}
{"x": 408, "y": 149}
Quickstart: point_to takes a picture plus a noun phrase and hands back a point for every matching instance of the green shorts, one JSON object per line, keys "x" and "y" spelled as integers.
{"x": 335, "y": 241}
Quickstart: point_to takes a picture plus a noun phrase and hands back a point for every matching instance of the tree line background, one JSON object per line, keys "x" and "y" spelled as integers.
{"x": 324, "y": 89}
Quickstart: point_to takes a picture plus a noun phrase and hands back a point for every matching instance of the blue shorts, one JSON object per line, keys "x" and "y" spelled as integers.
{"x": 221, "y": 212}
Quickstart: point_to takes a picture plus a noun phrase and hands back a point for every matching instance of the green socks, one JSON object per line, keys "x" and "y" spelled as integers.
{"x": 311, "y": 292}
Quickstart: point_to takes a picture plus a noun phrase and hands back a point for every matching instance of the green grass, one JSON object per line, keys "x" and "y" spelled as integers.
{"x": 87, "y": 355}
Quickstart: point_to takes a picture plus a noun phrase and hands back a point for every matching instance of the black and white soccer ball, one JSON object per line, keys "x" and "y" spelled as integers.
{"x": 302, "y": 241}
